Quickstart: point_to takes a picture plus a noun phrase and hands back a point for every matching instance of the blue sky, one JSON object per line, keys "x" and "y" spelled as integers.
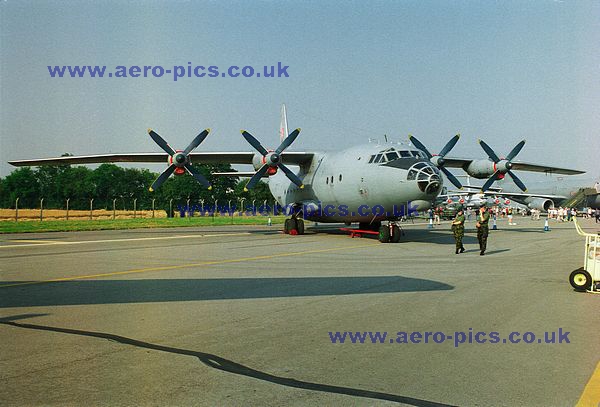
{"x": 496, "y": 70}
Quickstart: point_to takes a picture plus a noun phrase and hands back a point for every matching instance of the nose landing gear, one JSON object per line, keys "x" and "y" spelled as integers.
{"x": 293, "y": 226}
{"x": 390, "y": 233}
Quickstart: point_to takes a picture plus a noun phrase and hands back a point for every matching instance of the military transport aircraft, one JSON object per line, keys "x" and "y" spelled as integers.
{"x": 368, "y": 184}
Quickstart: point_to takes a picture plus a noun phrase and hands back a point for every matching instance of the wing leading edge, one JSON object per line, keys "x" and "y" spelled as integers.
{"x": 292, "y": 158}
{"x": 516, "y": 165}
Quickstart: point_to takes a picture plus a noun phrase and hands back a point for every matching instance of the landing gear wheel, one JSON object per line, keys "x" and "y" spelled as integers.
{"x": 580, "y": 280}
{"x": 395, "y": 238}
{"x": 286, "y": 226}
{"x": 300, "y": 226}
{"x": 384, "y": 234}
{"x": 293, "y": 226}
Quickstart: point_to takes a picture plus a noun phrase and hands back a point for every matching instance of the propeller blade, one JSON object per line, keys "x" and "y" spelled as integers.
{"x": 489, "y": 151}
{"x": 256, "y": 177}
{"x": 419, "y": 145}
{"x": 196, "y": 141}
{"x": 293, "y": 177}
{"x": 517, "y": 181}
{"x": 452, "y": 178}
{"x": 161, "y": 142}
{"x": 490, "y": 181}
{"x": 162, "y": 177}
{"x": 288, "y": 140}
{"x": 513, "y": 153}
{"x": 254, "y": 143}
{"x": 449, "y": 146}
{"x": 198, "y": 176}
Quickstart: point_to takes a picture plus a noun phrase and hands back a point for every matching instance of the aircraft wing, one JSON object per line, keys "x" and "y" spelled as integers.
{"x": 94, "y": 159}
{"x": 292, "y": 158}
{"x": 516, "y": 165}
{"x": 522, "y": 195}
{"x": 240, "y": 174}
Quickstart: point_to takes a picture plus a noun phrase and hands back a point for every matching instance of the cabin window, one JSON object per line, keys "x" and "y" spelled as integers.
{"x": 332, "y": 179}
{"x": 327, "y": 180}
{"x": 340, "y": 177}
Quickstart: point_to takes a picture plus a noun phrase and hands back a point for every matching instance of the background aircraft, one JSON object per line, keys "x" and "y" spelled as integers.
{"x": 367, "y": 184}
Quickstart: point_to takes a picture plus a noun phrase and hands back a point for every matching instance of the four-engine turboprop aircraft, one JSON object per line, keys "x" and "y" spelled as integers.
{"x": 367, "y": 184}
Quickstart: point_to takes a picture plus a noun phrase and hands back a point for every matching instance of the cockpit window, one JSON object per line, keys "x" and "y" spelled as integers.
{"x": 371, "y": 159}
{"x": 378, "y": 158}
{"x": 391, "y": 156}
{"x": 404, "y": 154}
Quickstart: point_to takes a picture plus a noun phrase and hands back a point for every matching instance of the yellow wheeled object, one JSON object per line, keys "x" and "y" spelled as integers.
{"x": 587, "y": 278}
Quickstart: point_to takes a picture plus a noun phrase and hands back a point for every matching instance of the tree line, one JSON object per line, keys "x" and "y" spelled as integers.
{"x": 57, "y": 183}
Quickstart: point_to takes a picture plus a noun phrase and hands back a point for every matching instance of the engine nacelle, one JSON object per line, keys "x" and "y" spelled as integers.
{"x": 543, "y": 204}
{"x": 481, "y": 169}
{"x": 257, "y": 161}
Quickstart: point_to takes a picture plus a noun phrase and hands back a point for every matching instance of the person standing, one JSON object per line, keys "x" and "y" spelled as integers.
{"x": 458, "y": 229}
{"x": 483, "y": 219}
{"x": 436, "y": 215}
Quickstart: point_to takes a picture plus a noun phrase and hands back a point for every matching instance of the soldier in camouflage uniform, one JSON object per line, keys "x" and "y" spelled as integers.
{"x": 458, "y": 228}
{"x": 483, "y": 219}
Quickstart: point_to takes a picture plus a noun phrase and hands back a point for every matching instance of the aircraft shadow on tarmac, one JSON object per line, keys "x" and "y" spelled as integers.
{"x": 435, "y": 236}
{"x": 83, "y": 292}
{"x": 219, "y": 363}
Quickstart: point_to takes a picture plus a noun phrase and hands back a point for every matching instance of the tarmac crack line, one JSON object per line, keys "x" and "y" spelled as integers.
{"x": 219, "y": 363}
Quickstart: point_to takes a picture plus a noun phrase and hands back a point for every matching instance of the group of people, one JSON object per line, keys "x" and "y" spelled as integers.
{"x": 589, "y": 213}
{"x": 482, "y": 225}
{"x": 562, "y": 214}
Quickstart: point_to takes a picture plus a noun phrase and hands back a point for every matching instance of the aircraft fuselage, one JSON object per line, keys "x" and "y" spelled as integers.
{"x": 390, "y": 177}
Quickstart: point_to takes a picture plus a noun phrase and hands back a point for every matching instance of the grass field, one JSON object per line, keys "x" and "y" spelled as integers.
{"x": 30, "y": 226}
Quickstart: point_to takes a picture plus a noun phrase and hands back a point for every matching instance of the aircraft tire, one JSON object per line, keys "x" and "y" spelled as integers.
{"x": 286, "y": 226}
{"x": 395, "y": 238}
{"x": 300, "y": 226}
{"x": 384, "y": 234}
{"x": 580, "y": 280}
{"x": 293, "y": 226}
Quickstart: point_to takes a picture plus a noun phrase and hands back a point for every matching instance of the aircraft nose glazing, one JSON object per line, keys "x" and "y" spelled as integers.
{"x": 427, "y": 177}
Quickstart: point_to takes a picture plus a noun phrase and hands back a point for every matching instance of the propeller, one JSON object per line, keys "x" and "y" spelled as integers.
{"x": 272, "y": 159}
{"x": 438, "y": 160}
{"x": 502, "y": 165}
{"x": 179, "y": 159}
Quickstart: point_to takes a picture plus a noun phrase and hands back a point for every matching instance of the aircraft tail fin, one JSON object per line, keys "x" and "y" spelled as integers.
{"x": 283, "y": 125}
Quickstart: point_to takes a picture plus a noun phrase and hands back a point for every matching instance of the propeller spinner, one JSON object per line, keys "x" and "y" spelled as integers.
{"x": 502, "y": 165}
{"x": 272, "y": 159}
{"x": 179, "y": 159}
{"x": 438, "y": 159}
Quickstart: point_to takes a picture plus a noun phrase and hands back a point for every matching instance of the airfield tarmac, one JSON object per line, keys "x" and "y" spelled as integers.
{"x": 240, "y": 316}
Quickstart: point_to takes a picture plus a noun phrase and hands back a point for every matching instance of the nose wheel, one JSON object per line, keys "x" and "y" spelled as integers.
{"x": 293, "y": 226}
{"x": 390, "y": 233}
